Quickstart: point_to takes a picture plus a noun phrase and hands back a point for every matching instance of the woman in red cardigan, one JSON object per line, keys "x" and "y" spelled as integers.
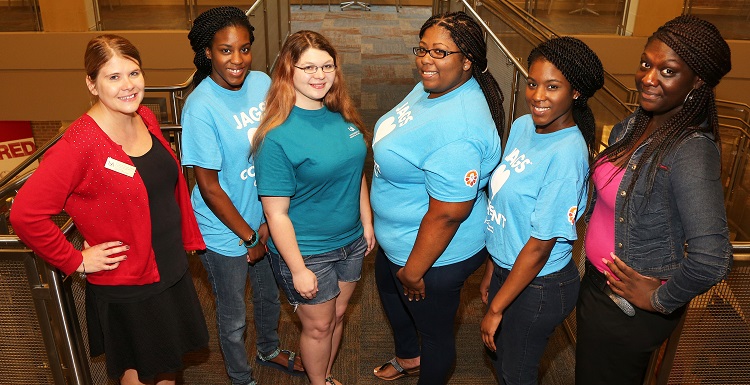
{"x": 120, "y": 182}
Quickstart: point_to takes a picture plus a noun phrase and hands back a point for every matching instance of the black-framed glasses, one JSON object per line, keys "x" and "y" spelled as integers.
{"x": 436, "y": 53}
{"x": 327, "y": 68}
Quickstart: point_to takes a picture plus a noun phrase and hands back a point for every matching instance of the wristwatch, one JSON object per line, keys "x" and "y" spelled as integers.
{"x": 251, "y": 242}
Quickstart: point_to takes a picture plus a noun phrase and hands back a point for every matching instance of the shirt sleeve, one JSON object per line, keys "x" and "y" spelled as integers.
{"x": 274, "y": 172}
{"x": 561, "y": 199}
{"x": 452, "y": 172}
{"x": 695, "y": 177}
{"x": 43, "y": 196}
{"x": 200, "y": 143}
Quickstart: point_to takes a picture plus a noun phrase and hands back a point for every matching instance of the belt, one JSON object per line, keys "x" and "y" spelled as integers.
{"x": 600, "y": 282}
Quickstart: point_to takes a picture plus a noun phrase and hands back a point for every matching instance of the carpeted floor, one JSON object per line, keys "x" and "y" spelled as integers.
{"x": 379, "y": 69}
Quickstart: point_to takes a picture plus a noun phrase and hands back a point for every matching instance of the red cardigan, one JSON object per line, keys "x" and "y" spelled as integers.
{"x": 105, "y": 205}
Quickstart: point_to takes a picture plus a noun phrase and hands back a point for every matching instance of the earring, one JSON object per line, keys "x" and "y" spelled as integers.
{"x": 689, "y": 96}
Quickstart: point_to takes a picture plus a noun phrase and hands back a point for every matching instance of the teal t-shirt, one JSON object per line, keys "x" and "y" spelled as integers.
{"x": 217, "y": 127}
{"x": 315, "y": 158}
{"x": 539, "y": 191}
{"x": 444, "y": 148}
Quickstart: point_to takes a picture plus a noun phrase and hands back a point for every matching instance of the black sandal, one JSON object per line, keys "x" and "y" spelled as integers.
{"x": 400, "y": 372}
{"x": 288, "y": 369}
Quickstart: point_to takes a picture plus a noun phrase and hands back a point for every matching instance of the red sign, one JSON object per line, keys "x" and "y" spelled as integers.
{"x": 16, "y": 144}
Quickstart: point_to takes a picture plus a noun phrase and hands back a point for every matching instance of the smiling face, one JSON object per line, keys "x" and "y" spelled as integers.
{"x": 119, "y": 85}
{"x": 230, "y": 57}
{"x": 550, "y": 97}
{"x": 663, "y": 80}
{"x": 440, "y": 76}
{"x": 310, "y": 89}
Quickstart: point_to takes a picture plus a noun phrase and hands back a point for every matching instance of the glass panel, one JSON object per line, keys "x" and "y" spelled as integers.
{"x": 569, "y": 17}
{"x": 156, "y": 14}
{"x": 143, "y": 14}
{"x": 730, "y": 16}
{"x": 20, "y": 15}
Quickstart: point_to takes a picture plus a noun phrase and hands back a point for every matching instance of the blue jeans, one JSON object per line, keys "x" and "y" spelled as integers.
{"x": 428, "y": 322}
{"x": 228, "y": 278}
{"x": 529, "y": 321}
{"x": 343, "y": 264}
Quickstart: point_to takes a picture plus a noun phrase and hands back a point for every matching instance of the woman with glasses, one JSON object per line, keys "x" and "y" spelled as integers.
{"x": 309, "y": 155}
{"x": 537, "y": 194}
{"x": 434, "y": 152}
{"x": 219, "y": 119}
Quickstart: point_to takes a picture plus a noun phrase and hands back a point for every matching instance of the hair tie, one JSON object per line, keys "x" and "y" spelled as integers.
{"x": 485, "y": 69}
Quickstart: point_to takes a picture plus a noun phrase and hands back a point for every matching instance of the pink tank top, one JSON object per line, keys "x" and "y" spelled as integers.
{"x": 600, "y": 233}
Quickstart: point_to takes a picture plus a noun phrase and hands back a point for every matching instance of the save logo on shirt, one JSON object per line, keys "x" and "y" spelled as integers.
{"x": 471, "y": 178}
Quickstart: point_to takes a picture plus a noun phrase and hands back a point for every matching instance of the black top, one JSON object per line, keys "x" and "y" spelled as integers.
{"x": 159, "y": 173}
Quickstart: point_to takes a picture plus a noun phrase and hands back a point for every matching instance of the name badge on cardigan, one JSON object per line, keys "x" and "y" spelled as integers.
{"x": 117, "y": 166}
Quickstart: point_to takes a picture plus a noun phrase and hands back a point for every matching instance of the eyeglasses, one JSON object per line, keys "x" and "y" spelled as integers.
{"x": 435, "y": 52}
{"x": 327, "y": 68}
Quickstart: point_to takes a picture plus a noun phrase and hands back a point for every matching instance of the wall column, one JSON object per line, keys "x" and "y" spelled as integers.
{"x": 645, "y": 16}
{"x": 67, "y": 15}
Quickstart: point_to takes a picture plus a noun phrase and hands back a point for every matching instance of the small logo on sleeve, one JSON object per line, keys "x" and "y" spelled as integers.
{"x": 572, "y": 215}
{"x": 471, "y": 178}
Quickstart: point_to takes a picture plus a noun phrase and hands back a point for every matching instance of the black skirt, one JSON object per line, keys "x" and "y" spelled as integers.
{"x": 150, "y": 335}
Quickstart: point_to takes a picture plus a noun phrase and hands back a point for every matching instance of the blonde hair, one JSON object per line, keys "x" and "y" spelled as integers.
{"x": 281, "y": 95}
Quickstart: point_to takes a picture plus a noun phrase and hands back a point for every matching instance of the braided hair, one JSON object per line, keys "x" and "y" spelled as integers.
{"x": 468, "y": 36}
{"x": 202, "y": 34}
{"x": 700, "y": 45}
{"x": 585, "y": 73}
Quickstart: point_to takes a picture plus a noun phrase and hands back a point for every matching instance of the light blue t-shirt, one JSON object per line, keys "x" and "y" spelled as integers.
{"x": 539, "y": 191}
{"x": 217, "y": 127}
{"x": 316, "y": 158}
{"x": 444, "y": 148}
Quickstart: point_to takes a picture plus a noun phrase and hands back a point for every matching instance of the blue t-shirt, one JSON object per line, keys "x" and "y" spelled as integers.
{"x": 316, "y": 158}
{"x": 444, "y": 148}
{"x": 217, "y": 127}
{"x": 539, "y": 191}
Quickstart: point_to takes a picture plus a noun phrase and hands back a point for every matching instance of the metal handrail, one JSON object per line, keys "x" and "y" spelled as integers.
{"x": 737, "y": 106}
{"x": 252, "y": 7}
{"x": 496, "y": 40}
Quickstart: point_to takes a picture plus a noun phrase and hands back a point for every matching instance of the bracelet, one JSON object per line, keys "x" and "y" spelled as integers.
{"x": 83, "y": 275}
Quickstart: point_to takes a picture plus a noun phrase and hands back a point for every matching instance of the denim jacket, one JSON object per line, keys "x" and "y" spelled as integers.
{"x": 679, "y": 233}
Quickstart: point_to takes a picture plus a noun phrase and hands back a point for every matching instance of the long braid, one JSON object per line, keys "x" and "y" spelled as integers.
{"x": 585, "y": 73}
{"x": 202, "y": 34}
{"x": 468, "y": 36}
{"x": 700, "y": 45}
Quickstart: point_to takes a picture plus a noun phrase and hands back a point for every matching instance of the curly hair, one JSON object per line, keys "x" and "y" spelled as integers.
{"x": 468, "y": 36}
{"x": 585, "y": 73}
{"x": 700, "y": 45}
{"x": 202, "y": 34}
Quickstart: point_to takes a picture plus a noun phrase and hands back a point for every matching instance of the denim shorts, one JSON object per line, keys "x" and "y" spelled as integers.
{"x": 343, "y": 264}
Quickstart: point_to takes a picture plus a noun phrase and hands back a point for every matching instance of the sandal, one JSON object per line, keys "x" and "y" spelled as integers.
{"x": 288, "y": 369}
{"x": 332, "y": 381}
{"x": 400, "y": 372}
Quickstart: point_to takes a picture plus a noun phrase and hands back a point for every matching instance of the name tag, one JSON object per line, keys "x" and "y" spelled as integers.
{"x": 117, "y": 166}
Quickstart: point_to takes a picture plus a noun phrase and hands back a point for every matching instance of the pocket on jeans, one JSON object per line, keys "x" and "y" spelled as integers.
{"x": 569, "y": 294}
